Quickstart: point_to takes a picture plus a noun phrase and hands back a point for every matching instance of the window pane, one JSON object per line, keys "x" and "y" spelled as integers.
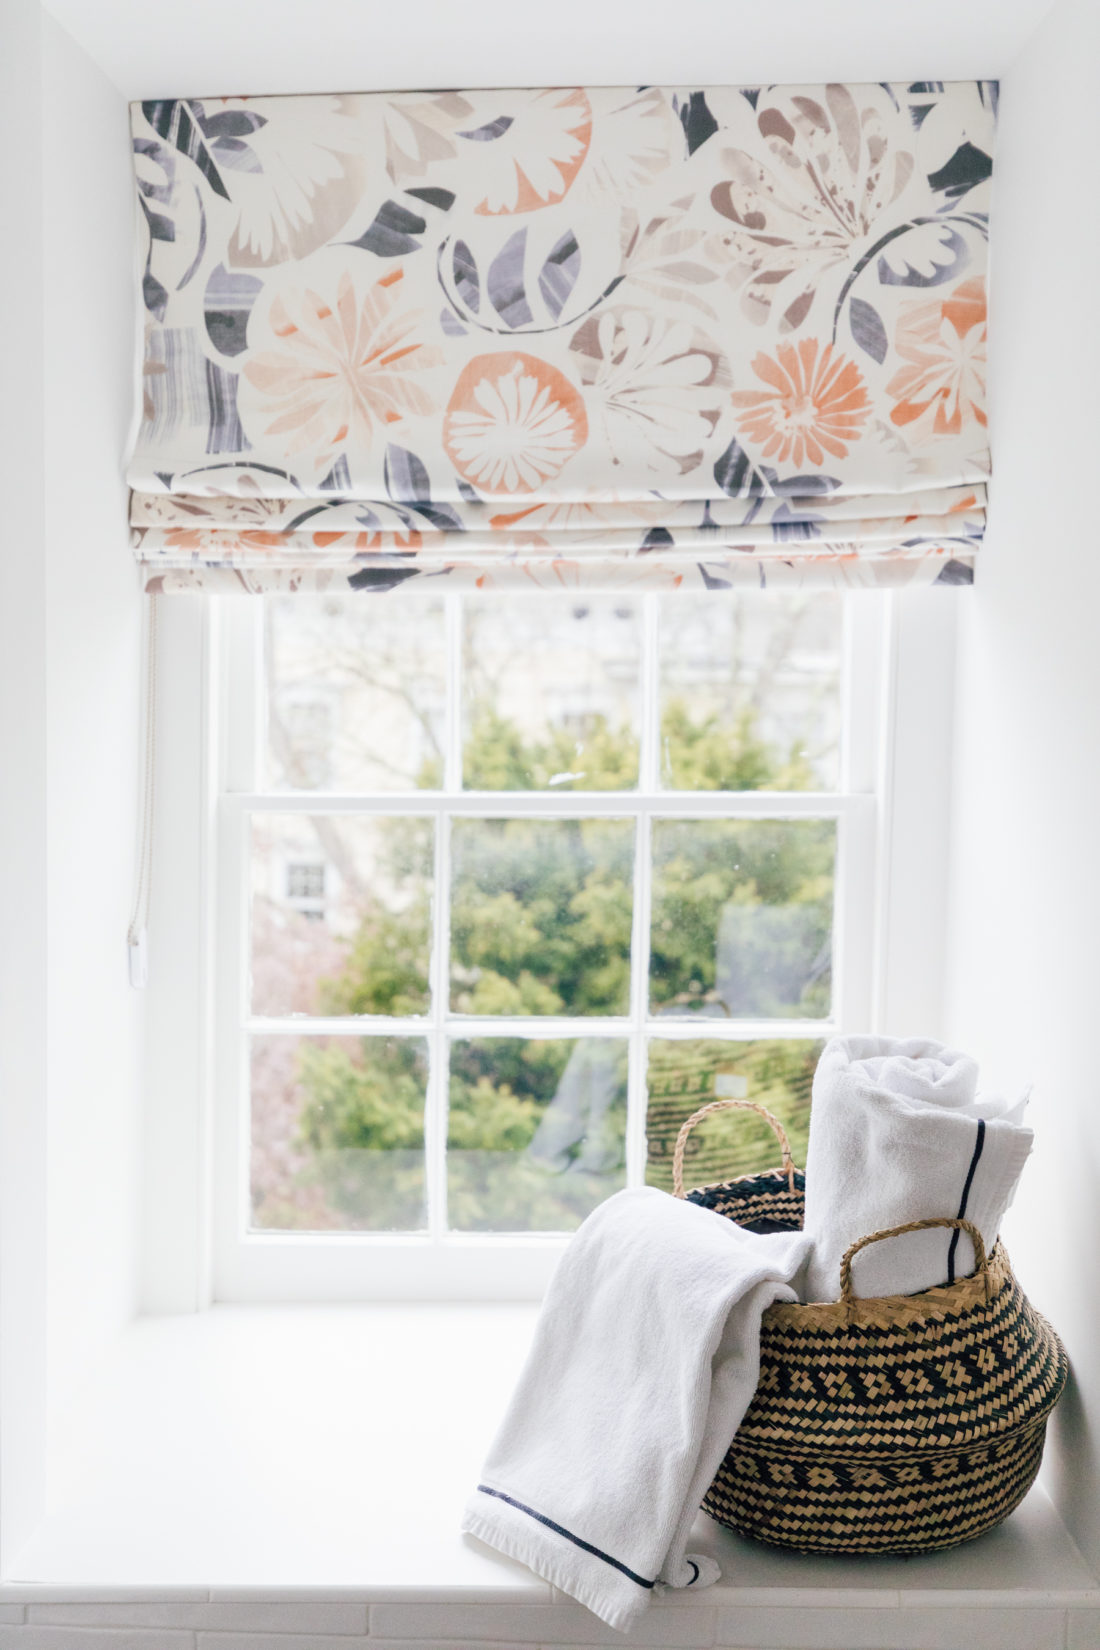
{"x": 550, "y": 693}
{"x": 536, "y": 1132}
{"x": 742, "y": 917}
{"x": 682, "y": 1076}
{"x": 341, "y": 914}
{"x": 750, "y": 692}
{"x": 540, "y": 916}
{"x": 338, "y": 1133}
{"x": 354, "y": 693}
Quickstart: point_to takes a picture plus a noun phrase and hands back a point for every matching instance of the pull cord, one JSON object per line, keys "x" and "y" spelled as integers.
{"x": 137, "y": 932}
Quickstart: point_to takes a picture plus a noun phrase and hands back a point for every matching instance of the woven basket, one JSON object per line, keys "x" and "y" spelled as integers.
{"x": 899, "y": 1424}
{"x": 771, "y": 1202}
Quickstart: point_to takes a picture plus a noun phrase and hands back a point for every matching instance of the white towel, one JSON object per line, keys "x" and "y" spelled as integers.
{"x": 645, "y": 1358}
{"x": 898, "y": 1132}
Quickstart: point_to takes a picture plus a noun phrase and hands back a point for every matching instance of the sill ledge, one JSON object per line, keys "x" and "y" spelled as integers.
{"x": 300, "y": 1470}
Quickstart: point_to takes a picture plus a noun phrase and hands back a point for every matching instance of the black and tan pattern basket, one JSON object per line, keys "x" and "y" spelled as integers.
{"x": 898, "y": 1424}
{"x": 771, "y": 1202}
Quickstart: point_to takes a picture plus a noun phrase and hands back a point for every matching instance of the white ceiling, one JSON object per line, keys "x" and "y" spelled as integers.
{"x": 211, "y": 47}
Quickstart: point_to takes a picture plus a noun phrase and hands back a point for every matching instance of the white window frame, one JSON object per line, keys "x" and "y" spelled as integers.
{"x": 891, "y": 811}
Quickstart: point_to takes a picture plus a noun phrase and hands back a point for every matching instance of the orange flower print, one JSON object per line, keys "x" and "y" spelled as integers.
{"x": 220, "y": 540}
{"x": 943, "y": 340}
{"x": 512, "y": 423}
{"x": 341, "y": 372}
{"x": 816, "y": 404}
{"x": 400, "y": 543}
{"x": 528, "y": 158}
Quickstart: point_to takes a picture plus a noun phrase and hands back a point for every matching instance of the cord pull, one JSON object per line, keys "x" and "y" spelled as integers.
{"x": 138, "y": 950}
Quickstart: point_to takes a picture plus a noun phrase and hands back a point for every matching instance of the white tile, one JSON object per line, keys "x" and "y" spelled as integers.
{"x": 94, "y": 1638}
{"x": 804, "y": 1598}
{"x": 278, "y": 1641}
{"x": 670, "y": 1627}
{"x": 539, "y": 1592}
{"x": 1084, "y": 1629}
{"x": 254, "y": 1616}
{"x": 1005, "y": 1628}
{"x": 976, "y": 1598}
{"x": 33, "y": 1592}
{"x": 11, "y": 1612}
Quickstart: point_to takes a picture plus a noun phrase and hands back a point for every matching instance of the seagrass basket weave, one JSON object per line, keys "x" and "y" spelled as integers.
{"x": 774, "y": 1201}
{"x": 897, "y": 1424}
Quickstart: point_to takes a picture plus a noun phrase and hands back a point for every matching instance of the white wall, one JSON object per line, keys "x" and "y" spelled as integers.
{"x": 23, "y": 795}
{"x": 1025, "y": 949}
{"x": 93, "y": 629}
{"x": 333, "y": 45}
{"x": 70, "y": 1027}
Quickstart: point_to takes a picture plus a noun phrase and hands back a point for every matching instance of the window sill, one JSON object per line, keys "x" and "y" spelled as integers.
{"x": 306, "y": 1465}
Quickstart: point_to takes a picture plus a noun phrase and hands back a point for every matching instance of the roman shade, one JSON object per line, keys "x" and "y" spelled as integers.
{"x": 671, "y": 338}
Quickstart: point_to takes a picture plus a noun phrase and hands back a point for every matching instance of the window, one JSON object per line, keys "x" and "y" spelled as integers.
{"x": 576, "y": 867}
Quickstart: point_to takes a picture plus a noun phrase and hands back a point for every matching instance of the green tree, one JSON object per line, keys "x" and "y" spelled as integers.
{"x": 540, "y": 924}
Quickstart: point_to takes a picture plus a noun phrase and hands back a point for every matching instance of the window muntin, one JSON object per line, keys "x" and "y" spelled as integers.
{"x": 489, "y": 1025}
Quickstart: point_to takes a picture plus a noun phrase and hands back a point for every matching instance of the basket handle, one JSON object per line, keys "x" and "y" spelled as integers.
{"x": 729, "y": 1105}
{"x": 960, "y": 1225}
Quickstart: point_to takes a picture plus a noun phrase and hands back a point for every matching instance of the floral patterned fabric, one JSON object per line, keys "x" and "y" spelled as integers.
{"x": 663, "y": 337}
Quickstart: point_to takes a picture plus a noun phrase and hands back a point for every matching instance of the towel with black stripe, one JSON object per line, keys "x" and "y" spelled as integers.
{"x": 900, "y": 1133}
{"x": 645, "y": 1358}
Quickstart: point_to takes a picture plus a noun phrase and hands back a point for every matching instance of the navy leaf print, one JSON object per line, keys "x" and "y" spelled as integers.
{"x": 658, "y": 538}
{"x": 154, "y": 296}
{"x": 338, "y": 479}
{"x": 968, "y": 166}
{"x": 738, "y": 477}
{"x": 227, "y": 304}
{"x": 867, "y": 329}
{"x": 955, "y": 572}
{"x": 559, "y": 273}
{"x": 950, "y": 259}
{"x": 177, "y": 124}
{"x": 377, "y": 580}
{"x": 698, "y": 122}
{"x": 800, "y": 486}
{"x": 439, "y": 198}
{"x": 394, "y": 233}
{"x": 224, "y": 432}
{"x": 791, "y": 524}
{"x": 161, "y": 226}
{"x": 200, "y": 250}
{"x": 229, "y": 123}
{"x": 237, "y": 155}
{"x": 397, "y": 228}
{"x": 406, "y": 477}
{"x": 407, "y": 482}
{"x": 507, "y": 293}
{"x": 464, "y": 265}
{"x": 493, "y": 129}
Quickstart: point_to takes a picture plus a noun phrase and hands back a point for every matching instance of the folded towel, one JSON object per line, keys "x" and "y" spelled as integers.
{"x": 645, "y": 1358}
{"x": 898, "y": 1132}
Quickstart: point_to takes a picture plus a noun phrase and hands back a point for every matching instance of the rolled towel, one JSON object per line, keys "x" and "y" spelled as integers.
{"x": 645, "y": 1358}
{"x": 898, "y": 1132}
